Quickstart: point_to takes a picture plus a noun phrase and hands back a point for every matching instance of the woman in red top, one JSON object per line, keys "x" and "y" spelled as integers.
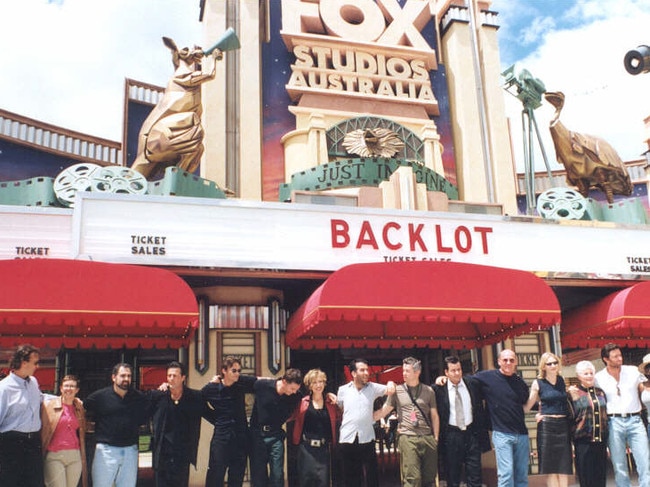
{"x": 63, "y": 437}
{"x": 315, "y": 432}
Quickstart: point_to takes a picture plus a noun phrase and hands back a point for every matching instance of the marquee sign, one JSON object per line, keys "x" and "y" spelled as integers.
{"x": 238, "y": 234}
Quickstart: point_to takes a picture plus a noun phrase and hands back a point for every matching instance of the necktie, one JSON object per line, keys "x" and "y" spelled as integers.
{"x": 460, "y": 412}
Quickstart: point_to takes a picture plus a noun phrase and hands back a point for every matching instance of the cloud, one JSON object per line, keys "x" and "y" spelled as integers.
{"x": 584, "y": 59}
{"x": 65, "y": 62}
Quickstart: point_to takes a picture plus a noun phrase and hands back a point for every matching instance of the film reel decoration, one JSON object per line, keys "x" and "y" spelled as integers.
{"x": 72, "y": 179}
{"x": 561, "y": 204}
{"x": 118, "y": 179}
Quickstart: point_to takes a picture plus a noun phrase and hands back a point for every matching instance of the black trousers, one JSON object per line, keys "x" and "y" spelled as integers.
{"x": 21, "y": 460}
{"x": 357, "y": 460}
{"x": 462, "y": 448}
{"x": 228, "y": 454}
{"x": 173, "y": 467}
{"x": 591, "y": 463}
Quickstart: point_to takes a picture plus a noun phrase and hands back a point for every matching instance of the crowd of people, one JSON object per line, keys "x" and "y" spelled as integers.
{"x": 43, "y": 437}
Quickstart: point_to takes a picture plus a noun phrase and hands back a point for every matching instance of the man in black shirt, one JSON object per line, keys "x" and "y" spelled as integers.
{"x": 229, "y": 445}
{"x": 176, "y": 425}
{"x": 275, "y": 401}
{"x": 118, "y": 412}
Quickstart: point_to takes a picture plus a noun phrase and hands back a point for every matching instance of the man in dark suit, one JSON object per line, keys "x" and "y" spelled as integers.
{"x": 463, "y": 425}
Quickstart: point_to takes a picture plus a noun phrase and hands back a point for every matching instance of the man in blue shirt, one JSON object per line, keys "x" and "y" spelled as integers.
{"x": 21, "y": 460}
{"x": 505, "y": 394}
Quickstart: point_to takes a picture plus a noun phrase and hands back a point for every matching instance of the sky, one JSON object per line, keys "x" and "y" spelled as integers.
{"x": 64, "y": 61}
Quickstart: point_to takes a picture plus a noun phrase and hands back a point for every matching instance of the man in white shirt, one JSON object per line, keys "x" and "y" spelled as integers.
{"x": 357, "y": 434}
{"x": 21, "y": 460}
{"x": 622, "y": 385}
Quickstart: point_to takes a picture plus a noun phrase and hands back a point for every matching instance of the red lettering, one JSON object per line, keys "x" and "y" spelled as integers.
{"x": 441, "y": 248}
{"x": 483, "y": 231}
{"x": 366, "y": 237}
{"x": 340, "y": 234}
{"x": 384, "y": 234}
{"x": 465, "y": 246}
{"x": 415, "y": 237}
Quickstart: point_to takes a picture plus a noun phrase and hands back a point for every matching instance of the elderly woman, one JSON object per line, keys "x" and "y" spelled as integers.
{"x": 553, "y": 422}
{"x": 590, "y": 436}
{"x": 62, "y": 437}
{"x": 315, "y": 432}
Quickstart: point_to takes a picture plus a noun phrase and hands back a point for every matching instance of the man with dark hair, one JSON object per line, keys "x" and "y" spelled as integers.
{"x": 229, "y": 444}
{"x": 505, "y": 395}
{"x": 118, "y": 411}
{"x": 21, "y": 460}
{"x": 275, "y": 400}
{"x": 418, "y": 426}
{"x": 623, "y": 385}
{"x": 463, "y": 425}
{"x": 357, "y": 433}
{"x": 176, "y": 423}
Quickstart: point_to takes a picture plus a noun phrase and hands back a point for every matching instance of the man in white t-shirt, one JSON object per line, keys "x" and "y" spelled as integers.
{"x": 357, "y": 433}
{"x": 622, "y": 385}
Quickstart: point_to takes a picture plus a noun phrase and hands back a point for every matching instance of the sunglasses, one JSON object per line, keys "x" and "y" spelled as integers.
{"x": 235, "y": 371}
{"x": 551, "y": 363}
{"x": 508, "y": 360}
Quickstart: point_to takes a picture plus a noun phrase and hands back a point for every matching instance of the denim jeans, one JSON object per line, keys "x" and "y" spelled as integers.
{"x": 512, "y": 453}
{"x": 267, "y": 451}
{"x": 629, "y": 431}
{"x": 115, "y": 464}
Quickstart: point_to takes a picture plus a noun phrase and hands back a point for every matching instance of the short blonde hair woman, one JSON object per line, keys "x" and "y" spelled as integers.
{"x": 315, "y": 432}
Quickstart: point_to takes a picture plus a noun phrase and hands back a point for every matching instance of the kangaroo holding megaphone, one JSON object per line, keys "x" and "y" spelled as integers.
{"x": 172, "y": 134}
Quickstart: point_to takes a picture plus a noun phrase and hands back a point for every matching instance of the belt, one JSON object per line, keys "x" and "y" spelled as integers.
{"x": 20, "y": 435}
{"x": 268, "y": 430}
{"x": 624, "y": 415}
{"x": 315, "y": 442}
{"x": 456, "y": 428}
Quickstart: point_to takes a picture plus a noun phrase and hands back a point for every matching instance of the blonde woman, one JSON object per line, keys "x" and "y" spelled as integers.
{"x": 63, "y": 437}
{"x": 553, "y": 422}
{"x": 315, "y": 432}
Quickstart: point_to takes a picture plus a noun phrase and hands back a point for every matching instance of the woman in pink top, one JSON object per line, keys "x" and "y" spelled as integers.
{"x": 64, "y": 426}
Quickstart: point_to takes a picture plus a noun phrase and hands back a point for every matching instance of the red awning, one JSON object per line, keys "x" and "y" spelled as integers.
{"x": 622, "y": 317}
{"x": 71, "y": 303}
{"x": 425, "y": 304}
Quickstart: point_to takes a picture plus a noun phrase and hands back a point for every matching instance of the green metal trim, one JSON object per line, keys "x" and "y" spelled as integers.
{"x": 363, "y": 171}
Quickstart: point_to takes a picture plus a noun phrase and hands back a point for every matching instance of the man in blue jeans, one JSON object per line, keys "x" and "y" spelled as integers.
{"x": 622, "y": 385}
{"x": 275, "y": 400}
{"x": 118, "y": 412}
{"x": 505, "y": 394}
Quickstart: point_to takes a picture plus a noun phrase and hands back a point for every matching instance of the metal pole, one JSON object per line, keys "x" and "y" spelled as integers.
{"x": 480, "y": 95}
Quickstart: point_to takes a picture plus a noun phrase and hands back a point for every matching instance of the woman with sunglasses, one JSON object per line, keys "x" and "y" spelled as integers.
{"x": 553, "y": 422}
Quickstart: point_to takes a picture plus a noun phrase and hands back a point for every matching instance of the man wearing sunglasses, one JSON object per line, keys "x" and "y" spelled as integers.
{"x": 229, "y": 444}
{"x": 623, "y": 385}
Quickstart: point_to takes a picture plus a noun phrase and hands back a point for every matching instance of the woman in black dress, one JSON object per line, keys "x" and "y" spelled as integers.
{"x": 553, "y": 422}
{"x": 315, "y": 432}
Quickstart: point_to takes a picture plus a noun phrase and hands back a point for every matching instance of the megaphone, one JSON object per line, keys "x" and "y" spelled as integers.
{"x": 227, "y": 42}
{"x": 637, "y": 60}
